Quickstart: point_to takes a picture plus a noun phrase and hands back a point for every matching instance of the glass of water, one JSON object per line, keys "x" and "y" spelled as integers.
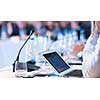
{"x": 20, "y": 69}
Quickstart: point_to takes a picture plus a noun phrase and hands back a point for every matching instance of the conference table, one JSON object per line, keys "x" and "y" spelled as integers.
{"x": 7, "y": 71}
{"x": 8, "y": 55}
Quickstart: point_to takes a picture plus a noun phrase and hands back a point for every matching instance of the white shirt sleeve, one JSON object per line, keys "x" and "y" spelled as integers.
{"x": 91, "y": 57}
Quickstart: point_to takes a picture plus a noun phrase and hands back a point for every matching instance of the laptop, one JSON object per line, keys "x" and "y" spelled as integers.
{"x": 60, "y": 67}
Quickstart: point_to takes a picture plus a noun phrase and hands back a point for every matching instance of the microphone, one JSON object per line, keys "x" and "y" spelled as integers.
{"x": 30, "y": 64}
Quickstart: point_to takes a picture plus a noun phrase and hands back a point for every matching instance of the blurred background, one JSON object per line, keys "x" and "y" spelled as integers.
{"x": 67, "y": 37}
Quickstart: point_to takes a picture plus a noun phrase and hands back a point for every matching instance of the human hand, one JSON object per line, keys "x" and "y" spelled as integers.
{"x": 77, "y": 48}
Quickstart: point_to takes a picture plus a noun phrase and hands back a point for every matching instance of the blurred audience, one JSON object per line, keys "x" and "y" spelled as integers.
{"x": 76, "y": 32}
{"x": 52, "y": 29}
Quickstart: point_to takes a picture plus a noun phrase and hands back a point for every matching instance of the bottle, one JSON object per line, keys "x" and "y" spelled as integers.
{"x": 3, "y": 33}
{"x": 35, "y": 47}
{"x": 30, "y": 49}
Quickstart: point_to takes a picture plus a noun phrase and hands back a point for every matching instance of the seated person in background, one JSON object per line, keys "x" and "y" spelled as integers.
{"x": 18, "y": 29}
{"x": 13, "y": 30}
{"x": 24, "y": 29}
{"x": 77, "y": 32}
{"x": 3, "y": 30}
{"x": 74, "y": 35}
{"x": 51, "y": 34}
{"x": 57, "y": 30}
{"x": 91, "y": 53}
{"x": 64, "y": 27}
{"x": 40, "y": 27}
{"x": 78, "y": 37}
{"x": 28, "y": 28}
{"x": 86, "y": 25}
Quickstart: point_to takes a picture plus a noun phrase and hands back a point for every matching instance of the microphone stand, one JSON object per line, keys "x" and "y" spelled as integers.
{"x": 30, "y": 64}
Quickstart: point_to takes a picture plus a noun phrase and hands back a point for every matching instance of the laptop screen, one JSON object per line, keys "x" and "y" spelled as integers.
{"x": 56, "y": 61}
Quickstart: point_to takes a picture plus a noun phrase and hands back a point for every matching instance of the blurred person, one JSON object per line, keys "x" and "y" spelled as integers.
{"x": 78, "y": 38}
{"x": 86, "y": 26}
{"x": 84, "y": 30}
{"x": 24, "y": 29}
{"x": 13, "y": 30}
{"x": 64, "y": 27}
{"x": 51, "y": 34}
{"x": 3, "y": 30}
{"x": 40, "y": 28}
{"x": 57, "y": 30}
{"x": 77, "y": 31}
{"x": 91, "y": 53}
{"x": 28, "y": 28}
{"x": 68, "y": 30}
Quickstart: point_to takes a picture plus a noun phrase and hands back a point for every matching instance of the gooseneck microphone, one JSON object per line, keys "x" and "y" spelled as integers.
{"x": 31, "y": 32}
{"x": 30, "y": 64}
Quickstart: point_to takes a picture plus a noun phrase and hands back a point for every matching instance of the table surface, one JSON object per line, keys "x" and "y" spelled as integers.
{"x": 7, "y": 71}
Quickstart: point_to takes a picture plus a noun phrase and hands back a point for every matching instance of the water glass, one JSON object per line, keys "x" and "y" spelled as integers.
{"x": 20, "y": 69}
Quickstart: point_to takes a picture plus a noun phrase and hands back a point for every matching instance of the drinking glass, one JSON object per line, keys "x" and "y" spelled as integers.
{"x": 20, "y": 69}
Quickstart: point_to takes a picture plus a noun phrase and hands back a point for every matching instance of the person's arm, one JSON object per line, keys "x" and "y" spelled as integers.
{"x": 91, "y": 57}
{"x": 90, "y": 45}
